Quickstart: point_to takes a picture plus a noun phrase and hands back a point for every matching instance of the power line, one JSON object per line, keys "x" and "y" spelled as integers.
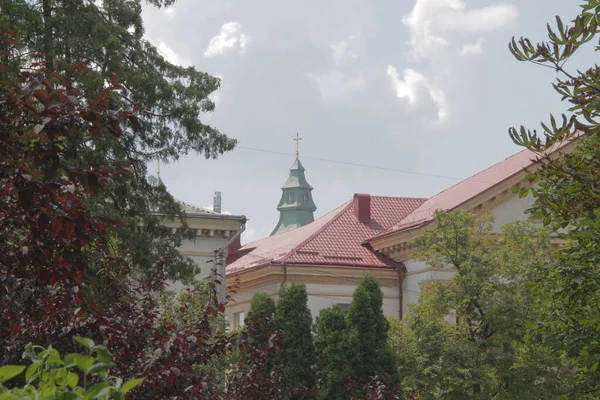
{"x": 353, "y": 164}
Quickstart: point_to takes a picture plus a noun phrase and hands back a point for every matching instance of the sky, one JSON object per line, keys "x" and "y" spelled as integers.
{"x": 423, "y": 90}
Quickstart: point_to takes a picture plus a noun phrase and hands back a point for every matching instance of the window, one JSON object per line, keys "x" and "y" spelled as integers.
{"x": 238, "y": 319}
{"x": 306, "y": 197}
{"x": 290, "y": 198}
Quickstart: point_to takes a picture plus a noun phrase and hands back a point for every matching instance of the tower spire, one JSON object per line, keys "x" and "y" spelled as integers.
{"x": 296, "y": 206}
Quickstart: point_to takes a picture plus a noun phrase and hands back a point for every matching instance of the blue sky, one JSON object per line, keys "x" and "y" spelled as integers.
{"x": 427, "y": 86}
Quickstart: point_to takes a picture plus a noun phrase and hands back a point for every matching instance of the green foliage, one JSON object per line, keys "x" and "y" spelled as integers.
{"x": 368, "y": 351}
{"x": 262, "y": 314}
{"x": 76, "y": 376}
{"x": 566, "y": 192}
{"x": 296, "y": 358}
{"x": 331, "y": 336}
{"x": 469, "y": 337}
{"x": 105, "y": 41}
{"x": 262, "y": 304}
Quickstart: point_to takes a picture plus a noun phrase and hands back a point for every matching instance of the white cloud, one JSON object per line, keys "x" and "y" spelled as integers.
{"x": 210, "y": 208}
{"x": 169, "y": 11}
{"x": 416, "y": 89}
{"x": 431, "y": 20}
{"x": 230, "y": 37}
{"x": 344, "y": 52}
{"x": 171, "y": 56}
{"x": 473, "y": 48}
{"x": 336, "y": 85}
{"x": 216, "y": 95}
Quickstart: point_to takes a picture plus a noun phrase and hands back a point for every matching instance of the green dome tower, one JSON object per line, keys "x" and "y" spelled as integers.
{"x": 296, "y": 206}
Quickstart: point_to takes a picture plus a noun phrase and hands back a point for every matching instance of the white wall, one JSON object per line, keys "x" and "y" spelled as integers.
{"x": 202, "y": 251}
{"x": 323, "y": 296}
{"x": 319, "y": 297}
{"x": 417, "y": 273}
{"x": 512, "y": 210}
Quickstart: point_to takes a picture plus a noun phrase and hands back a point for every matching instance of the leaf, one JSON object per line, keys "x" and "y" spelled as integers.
{"x": 9, "y": 396}
{"x": 99, "y": 367}
{"x": 83, "y": 362}
{"x": 56, "y": 227}
{"x": 31, "y": 371}
{"x": 85, "y": 342}
{"x": 92, "y": 180}
{"x": 94, "y": 390}
{"x": 72, "y": 379}
{"x": 10, "y": 371}
{"x": 127, "y": 386}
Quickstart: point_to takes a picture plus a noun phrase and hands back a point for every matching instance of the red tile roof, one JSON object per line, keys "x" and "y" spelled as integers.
{"x": 335, "y": 239}
{"x": 456, "y": 195}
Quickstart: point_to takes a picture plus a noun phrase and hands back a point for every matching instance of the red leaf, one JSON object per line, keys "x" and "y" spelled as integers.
{"x": 69, "y": 229}
{"x": 56, "y": 227}
{"x": 92, "y": 180}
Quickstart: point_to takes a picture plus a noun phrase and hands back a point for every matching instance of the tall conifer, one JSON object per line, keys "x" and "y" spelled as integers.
{"x": 331, "y": 336}
{"x": 297, "y": 357}
{"x": 368, "y": 352}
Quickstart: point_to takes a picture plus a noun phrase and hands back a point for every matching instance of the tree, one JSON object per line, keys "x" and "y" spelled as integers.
{"x": 368, "y": 352}
{"x": 58, "y": 265}
{"x": 166, "y": 103}
{"x": 296, "y": 358}
{"x": 331, "y": 337}
{"x": 566, "y": 188}
{"x": 468, "y": 337}
{"x": 262, "y": 315}
{"x": 261, "y": 305}
{"x": 254, "y": 375}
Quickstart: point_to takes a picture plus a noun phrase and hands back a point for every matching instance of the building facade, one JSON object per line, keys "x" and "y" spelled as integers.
{"x": 214, "y": 233}
{"x": 373, "y": 234}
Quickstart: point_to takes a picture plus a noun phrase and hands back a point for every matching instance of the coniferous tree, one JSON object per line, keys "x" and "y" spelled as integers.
{"x": 296, "y": 359}
{"x": 369, "y": 354}
{"x": 254, "y": 375}
{"x": 262, "y": 317}
{"x": 331, "y": 335}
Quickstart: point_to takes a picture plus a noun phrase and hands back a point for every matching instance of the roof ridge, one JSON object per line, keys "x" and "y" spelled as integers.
{"x": 256, "y": 242}
{"x": 342, "y": 210}
{"x": 400, "y": 197}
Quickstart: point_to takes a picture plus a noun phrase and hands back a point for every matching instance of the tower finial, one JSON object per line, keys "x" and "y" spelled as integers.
{"x": 297, "y": 139}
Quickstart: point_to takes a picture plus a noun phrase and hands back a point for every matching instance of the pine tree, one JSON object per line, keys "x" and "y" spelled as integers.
{"x": 297, "y": 357}
{"x": 368, "y": 352}
{"x": 331, "y": 336}
{"x": 254, "y": 374}
{"x": 167, "y": 102}
{"x": 261, "y": 316}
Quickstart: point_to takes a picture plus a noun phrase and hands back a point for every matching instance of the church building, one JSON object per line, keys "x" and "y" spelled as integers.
{"x": 366, "y": 234}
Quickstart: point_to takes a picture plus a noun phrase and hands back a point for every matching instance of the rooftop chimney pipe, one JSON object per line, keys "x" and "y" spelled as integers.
{"x": 362, "y": 207}
{"x": 217, "y": 202}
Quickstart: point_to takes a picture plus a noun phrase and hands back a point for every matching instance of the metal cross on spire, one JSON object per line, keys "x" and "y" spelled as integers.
{"x": 297, "y": 139}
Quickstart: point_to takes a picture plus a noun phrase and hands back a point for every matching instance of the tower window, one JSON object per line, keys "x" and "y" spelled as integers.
{"x": 306, "y": 197}
{"x": 290, "y": 198}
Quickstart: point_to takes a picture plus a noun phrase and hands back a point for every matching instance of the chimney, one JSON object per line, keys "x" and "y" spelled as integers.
{"x": 217, "y": 202}
{"x": 362, "y": 207}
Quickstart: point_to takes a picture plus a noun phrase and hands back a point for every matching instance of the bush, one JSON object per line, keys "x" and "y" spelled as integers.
{"x": 51, "y": 377}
